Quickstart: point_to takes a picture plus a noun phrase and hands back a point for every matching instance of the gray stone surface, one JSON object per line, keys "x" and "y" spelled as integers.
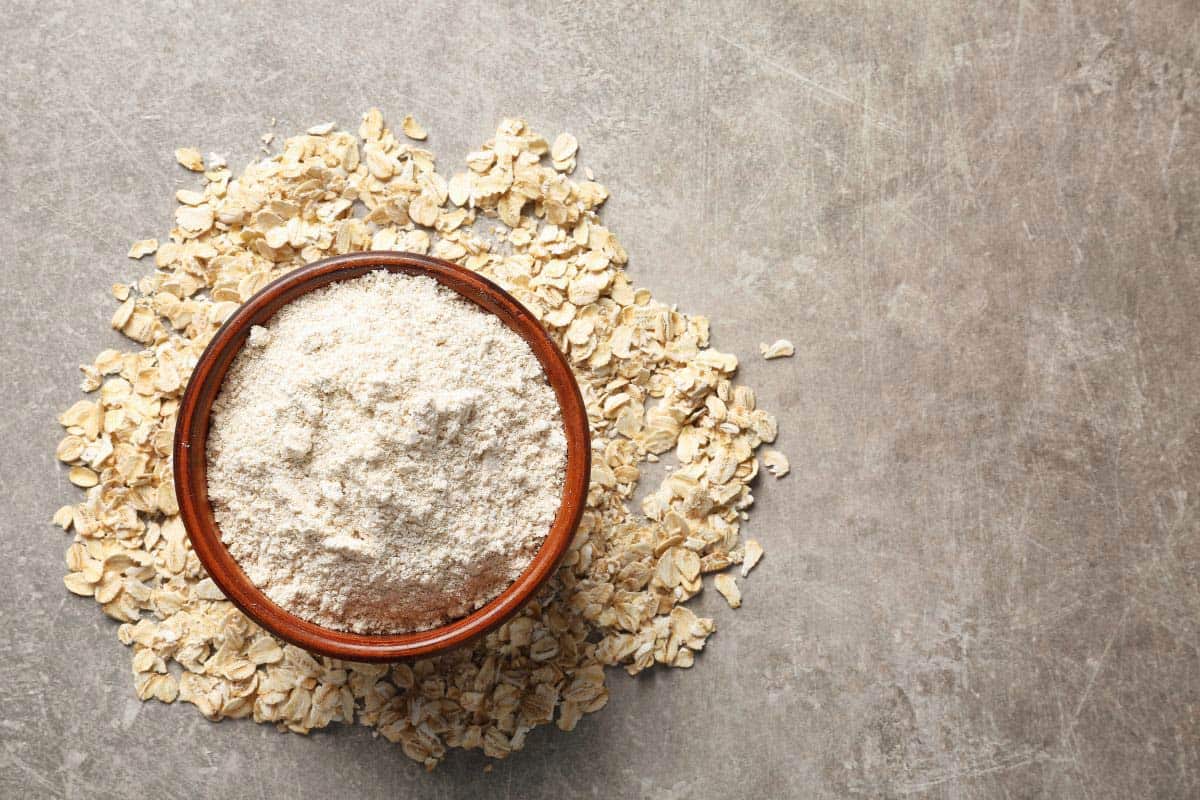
{"x": 980, "y": 228}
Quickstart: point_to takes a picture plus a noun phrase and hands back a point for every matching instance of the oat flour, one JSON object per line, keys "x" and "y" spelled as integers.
{"x": 385, "y": 456}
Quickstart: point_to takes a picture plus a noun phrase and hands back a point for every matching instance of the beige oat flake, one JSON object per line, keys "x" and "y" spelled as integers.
{"x": 83, "y": 477}
{"x": 562, "y": 152}
{"x": 776, "y": 463}
{"x": 142, "y": 247}
{"x": 412, "y": 129}
{"x": 727, "y": 586}
{"x": 190, "y": 157}
{"x": 754, "y": 552}
{"x": 781, "y": 348}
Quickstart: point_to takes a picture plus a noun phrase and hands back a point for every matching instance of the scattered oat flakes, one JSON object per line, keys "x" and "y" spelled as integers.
{"x": 776, "y": 462}
{"x": 142, "y": 247}
{"x": 190, "y": 157}
{"x": 412, "y": 129}
{"x": 653, "y": 386}
{"x": 782, "y": 348}
{"x": 320, "y": 130}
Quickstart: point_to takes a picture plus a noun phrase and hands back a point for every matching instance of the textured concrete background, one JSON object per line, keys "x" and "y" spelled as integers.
{"x": 981, "y": 228}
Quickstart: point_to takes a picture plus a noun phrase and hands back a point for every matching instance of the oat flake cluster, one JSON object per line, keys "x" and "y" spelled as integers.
{"x": 651, "y": 383}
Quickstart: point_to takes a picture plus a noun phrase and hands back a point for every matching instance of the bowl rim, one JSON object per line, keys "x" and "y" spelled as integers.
{"x": 190, "y": 460}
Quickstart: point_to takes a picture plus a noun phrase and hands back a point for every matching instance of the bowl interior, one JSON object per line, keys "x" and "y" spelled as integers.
{"x": 191, "y": 482}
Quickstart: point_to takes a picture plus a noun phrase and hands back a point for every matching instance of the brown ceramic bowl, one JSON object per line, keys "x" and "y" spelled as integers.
{"x": 191, "y": 482}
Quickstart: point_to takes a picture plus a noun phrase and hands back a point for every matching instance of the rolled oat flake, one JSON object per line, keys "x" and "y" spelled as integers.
{"x": 385, "y": 456}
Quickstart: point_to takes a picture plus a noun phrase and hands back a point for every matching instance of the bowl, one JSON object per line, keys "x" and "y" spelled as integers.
{"x": 190, "y": 466}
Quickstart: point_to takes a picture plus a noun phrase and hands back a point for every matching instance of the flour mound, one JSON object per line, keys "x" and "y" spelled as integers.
{"x": 384, "y": 456}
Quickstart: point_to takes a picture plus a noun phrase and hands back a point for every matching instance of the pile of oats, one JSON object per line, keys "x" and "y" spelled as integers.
{"x": 651, "y": 383}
